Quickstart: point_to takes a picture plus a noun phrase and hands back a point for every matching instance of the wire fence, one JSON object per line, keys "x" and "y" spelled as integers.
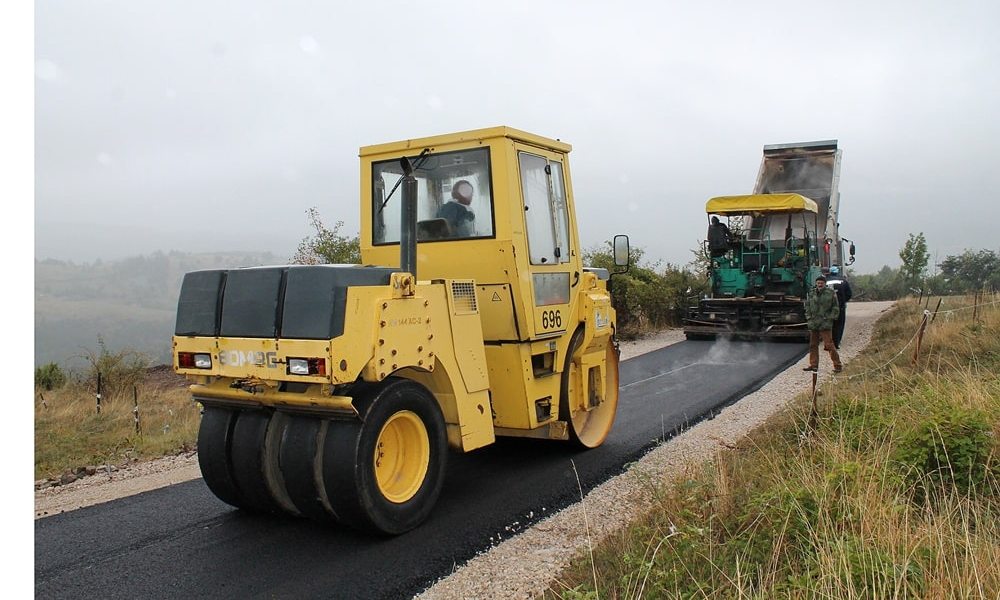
{"x": 915, "y": 341}
{"x": 99, "y": 396}
{"x": 928, "y": 317}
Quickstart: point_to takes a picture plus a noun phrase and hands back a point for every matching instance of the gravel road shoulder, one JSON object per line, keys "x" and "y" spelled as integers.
{"x": 521, "y": 567}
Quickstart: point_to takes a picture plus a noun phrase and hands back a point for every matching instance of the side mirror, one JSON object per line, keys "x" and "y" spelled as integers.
{"x": 621, "y": 253}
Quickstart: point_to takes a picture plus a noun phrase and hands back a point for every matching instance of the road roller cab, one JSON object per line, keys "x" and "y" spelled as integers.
{"x": 335, "y": 391}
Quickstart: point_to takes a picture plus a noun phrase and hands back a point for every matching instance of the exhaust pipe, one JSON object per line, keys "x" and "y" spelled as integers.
{"x": 408, "y": 221}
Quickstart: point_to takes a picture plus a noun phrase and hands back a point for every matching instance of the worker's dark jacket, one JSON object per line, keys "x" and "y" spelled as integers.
{"x": 822, "y": 309}
{"x": 718, "y": 239}
{"x": 459, "y": 218}
{"x": 842, "y": 288}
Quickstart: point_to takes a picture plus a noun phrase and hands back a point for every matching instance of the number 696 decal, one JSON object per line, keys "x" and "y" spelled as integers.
{"x": 552, "y": 319}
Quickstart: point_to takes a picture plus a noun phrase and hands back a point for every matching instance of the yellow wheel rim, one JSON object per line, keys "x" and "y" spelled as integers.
{"x": 591, "y": 424}
{"x": 402, "y": 454}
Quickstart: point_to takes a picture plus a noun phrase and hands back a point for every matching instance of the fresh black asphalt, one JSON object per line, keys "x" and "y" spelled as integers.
{"x": 182, "y": 542}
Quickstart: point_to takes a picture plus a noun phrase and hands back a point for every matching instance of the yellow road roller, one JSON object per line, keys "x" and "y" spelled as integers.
{"x": 335, "y": 392}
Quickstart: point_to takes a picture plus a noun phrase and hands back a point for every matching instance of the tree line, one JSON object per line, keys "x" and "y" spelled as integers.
{"x": 970, "y": 271}
{"x": 651, "y": 296}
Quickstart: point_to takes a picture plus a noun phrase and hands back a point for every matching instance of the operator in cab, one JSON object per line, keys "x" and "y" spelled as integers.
{"x": 719, "y": 237}
{"x": 457, "y": 212}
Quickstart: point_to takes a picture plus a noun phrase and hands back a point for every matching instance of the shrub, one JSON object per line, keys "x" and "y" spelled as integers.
{"x": 327, "y": 245}
{"x": 788, "y": 513}
{"x": 49, "y": 377}
{"x": 951, "y": 448}
{"x": 864, "y": 422}
{"x": 868, "y": 571}
{"x": 119, "y": 371}
{"x": 648, "y": 296}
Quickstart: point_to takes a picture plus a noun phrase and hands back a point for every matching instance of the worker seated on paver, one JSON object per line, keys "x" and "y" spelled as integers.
{"x": 719, "y": 238}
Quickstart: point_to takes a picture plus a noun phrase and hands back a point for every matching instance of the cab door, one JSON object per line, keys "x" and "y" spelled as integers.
{"x": 547, "y": 228}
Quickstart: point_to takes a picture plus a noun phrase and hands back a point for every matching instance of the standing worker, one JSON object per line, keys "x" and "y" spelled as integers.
{"x": 822, "y": 310}
{"x": 843, "y": 289}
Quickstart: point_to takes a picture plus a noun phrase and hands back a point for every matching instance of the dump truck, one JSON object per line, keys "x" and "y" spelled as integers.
{"x": 772, "y": 246}
{"x": 335, "y": 392}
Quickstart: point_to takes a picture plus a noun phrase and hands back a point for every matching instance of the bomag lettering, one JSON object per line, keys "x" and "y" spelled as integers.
{"x": 238, "y": 358}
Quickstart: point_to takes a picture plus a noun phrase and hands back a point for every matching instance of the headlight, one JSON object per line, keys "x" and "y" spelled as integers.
{"x": 307, "y": 366}
{"x": 298, "y": 366}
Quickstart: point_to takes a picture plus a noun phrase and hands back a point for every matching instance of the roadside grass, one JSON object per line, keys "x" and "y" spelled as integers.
{"x": 894, "y": 494}
{"x": 69, "y": 433}
{"x": 638, "y": 329}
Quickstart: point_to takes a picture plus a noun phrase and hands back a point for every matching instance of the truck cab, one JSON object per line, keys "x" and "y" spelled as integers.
{"x": 517, "y": 236}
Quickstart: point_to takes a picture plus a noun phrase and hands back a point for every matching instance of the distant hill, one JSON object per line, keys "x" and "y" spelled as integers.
{"x": 130, "y": 303}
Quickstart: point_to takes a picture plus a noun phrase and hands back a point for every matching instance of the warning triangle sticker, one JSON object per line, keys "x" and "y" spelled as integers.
{"x": 496, "y": 297}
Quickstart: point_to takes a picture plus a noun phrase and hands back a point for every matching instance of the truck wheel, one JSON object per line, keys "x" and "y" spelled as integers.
{"x": 215, "y": 436}
{"x": 588, "y": 425}
{"x": 384, "y": 472}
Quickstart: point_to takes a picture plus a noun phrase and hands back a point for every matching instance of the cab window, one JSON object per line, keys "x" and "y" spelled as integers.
{"x": 454, "y": 197}
{"x": 545, "y": 211}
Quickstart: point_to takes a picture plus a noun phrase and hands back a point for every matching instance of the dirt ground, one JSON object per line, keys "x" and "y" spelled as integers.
{"x": 520, "y": 567}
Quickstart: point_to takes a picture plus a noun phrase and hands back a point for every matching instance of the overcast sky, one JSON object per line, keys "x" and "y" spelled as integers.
{"x": 213, "y": 126}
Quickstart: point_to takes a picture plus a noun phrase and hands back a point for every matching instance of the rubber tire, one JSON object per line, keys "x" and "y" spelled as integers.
{"x": 349, "y": 468}
{"x": 584, "y": 440}
{"x": 273, "y": 477}
{"x": 214, "y": 439}
{"x": 300, "y": 461}
{"x": 248, "y": 457}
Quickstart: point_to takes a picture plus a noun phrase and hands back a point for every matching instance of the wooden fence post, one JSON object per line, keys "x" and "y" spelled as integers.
{"x": 920, "y": 338}
{"x": 135, "y": 409}
{"x": 936, "y": 308}
{"x": 814, "y": 415}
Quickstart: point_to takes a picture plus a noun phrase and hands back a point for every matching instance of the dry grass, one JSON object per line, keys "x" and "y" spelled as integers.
{"x": 894, "y": 494}
{"x": 69, "y": 432}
